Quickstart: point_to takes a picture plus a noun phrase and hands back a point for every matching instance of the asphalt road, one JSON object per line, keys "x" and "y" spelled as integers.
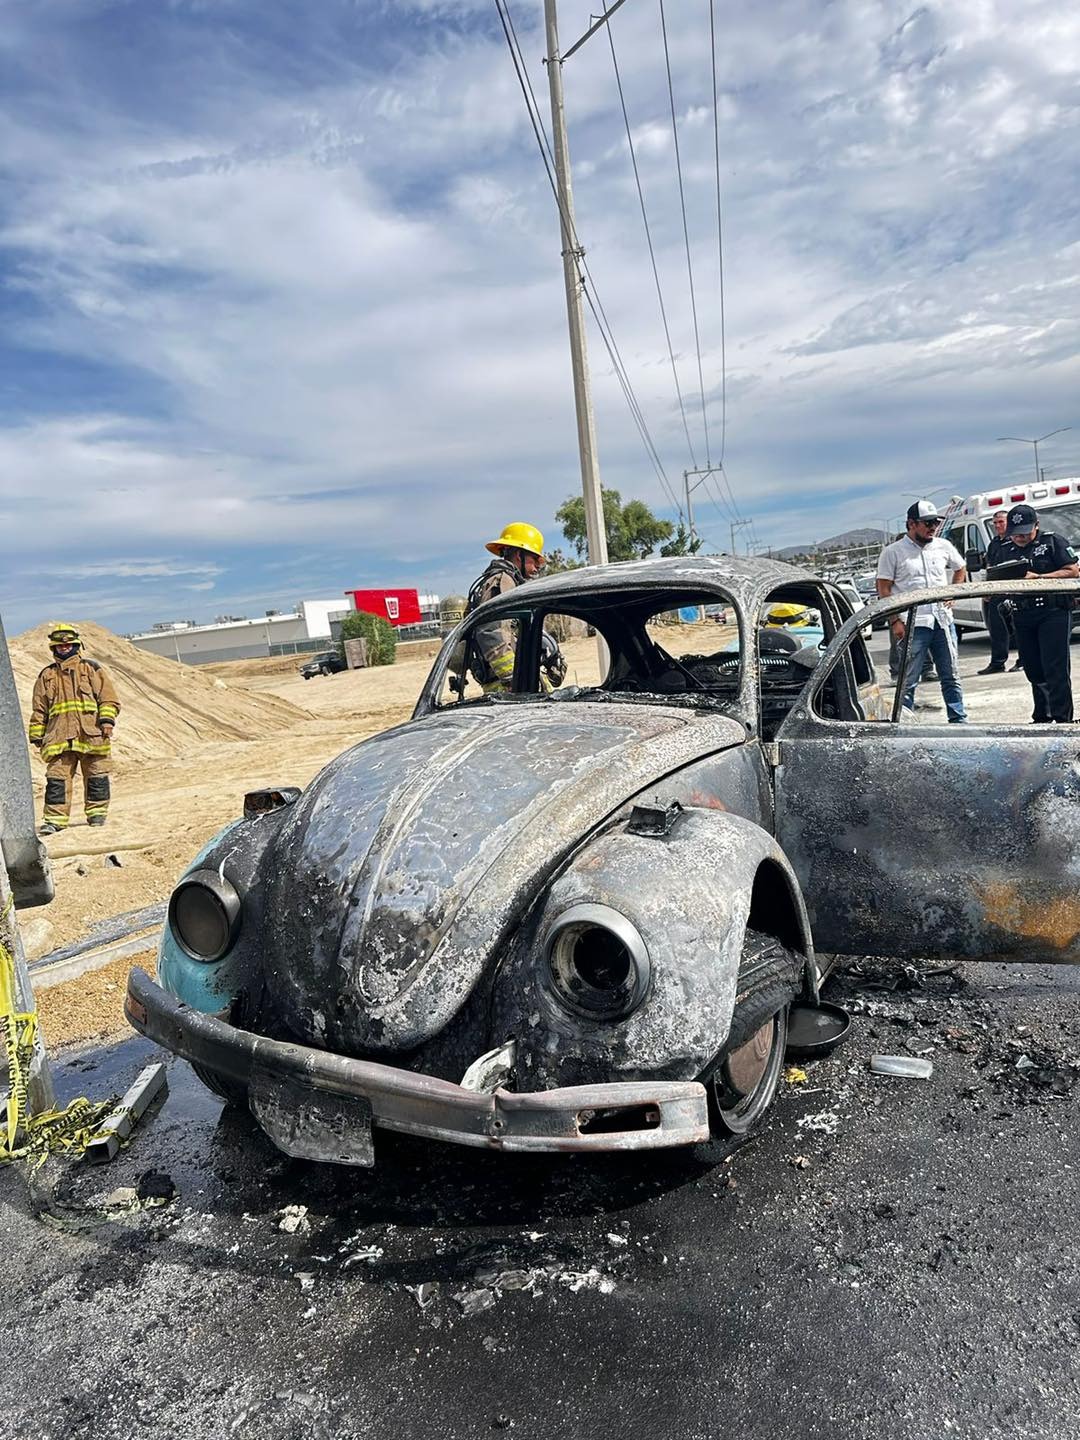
{"x": 890, "y": 1258}
{"x": 908, "y": 1269}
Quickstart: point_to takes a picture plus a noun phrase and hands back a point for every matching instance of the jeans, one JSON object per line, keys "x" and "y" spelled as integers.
{"x": 894, "y": 659}
{"x": 941, "y": 644}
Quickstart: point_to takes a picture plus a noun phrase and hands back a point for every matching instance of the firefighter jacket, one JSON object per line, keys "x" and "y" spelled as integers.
{"x": 71, "y": 699}
{"x": 492, "y": 660}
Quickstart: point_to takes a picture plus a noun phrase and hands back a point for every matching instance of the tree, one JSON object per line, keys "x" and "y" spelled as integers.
{"x": 681, "y": 543}
{"x": 557, "y": 560}
{"x": 633, "y": 531}
{"x": 379, "y": 634}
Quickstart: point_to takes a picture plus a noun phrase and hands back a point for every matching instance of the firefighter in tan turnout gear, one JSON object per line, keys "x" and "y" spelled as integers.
{"x": 519, "y": 555}
{"x": 74, "y": 711}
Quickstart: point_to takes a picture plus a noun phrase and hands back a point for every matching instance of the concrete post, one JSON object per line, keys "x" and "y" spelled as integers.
{"x": 25, "y": 876}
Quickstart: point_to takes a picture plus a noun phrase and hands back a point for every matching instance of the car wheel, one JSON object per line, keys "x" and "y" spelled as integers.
{"x": 231, "y": 1091}
{"x": 744, "y": 1081}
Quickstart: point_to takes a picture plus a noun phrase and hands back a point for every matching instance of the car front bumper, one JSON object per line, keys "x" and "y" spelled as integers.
{"x": 322, "y": 1106}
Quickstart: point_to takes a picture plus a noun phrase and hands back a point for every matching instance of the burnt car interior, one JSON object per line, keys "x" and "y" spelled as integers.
{"x": 642, "y": 633}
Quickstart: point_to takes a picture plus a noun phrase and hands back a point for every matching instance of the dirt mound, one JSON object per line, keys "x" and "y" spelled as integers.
{"x": 165, "y": 708}
{"x": 257, "y": 665}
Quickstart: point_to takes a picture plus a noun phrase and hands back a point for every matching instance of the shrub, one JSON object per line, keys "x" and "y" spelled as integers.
{"x": 379, "y": 634}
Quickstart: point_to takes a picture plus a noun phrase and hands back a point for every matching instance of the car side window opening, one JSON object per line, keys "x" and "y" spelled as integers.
{"x": 797, "y": 624}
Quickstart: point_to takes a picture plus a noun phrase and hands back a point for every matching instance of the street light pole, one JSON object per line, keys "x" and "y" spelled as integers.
{"x": 1024, "y": 440}
{"x": 571, "y": 255}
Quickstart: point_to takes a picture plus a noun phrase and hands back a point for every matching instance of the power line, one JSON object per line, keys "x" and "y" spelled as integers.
{"x": 591, "y": 294}
{"x": 686, "y": 232}
{"x": 719, "y": 237}
{"x": 648, "y": 241}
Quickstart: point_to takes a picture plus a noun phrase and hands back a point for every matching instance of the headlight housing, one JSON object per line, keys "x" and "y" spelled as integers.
{"x": 597, "y": 963}
{"x": 204, "y": 915}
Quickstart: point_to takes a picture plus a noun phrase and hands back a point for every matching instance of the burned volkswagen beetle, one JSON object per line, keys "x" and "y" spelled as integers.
{"x": 574, "y": 919}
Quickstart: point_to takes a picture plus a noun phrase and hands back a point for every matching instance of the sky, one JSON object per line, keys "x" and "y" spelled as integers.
{"x": 282, "y": 309}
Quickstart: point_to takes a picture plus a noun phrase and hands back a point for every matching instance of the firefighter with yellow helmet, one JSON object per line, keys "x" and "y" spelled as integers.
{"x": 519, "y": 555}
{"x": 73, "y": 713}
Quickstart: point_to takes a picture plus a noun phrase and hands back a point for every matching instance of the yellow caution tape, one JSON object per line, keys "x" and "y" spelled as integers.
{"x": 53, "y": 1131}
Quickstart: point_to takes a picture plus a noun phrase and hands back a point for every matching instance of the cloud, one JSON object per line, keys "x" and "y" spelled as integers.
{"x": 291, "y": 306}
{"x": 133, "y": 569}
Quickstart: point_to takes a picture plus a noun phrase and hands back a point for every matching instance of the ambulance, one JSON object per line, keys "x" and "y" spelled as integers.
{"x": 969, "y": 525}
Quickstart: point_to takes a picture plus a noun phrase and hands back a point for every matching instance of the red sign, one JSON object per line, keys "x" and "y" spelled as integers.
{"x": 400, "y": 607}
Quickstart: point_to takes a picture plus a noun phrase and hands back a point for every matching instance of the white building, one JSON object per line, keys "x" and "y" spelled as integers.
{"x": 302, "y": 630}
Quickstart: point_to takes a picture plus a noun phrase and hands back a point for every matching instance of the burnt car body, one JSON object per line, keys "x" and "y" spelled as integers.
{"x": 575, "y": 919}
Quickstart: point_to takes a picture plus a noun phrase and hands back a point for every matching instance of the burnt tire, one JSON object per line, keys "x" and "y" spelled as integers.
{"x": 231, "y": 1091}
{"x": 743, "y": 1082}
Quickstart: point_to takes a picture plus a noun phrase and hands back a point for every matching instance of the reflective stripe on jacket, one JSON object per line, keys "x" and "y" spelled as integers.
{"x": 71, "y": 699}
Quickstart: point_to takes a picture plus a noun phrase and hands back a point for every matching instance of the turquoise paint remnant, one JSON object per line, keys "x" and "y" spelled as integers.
{"x": 205, "y": 986}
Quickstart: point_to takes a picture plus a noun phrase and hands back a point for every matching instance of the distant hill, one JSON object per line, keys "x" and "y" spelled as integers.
{"x": 864, "y": 536}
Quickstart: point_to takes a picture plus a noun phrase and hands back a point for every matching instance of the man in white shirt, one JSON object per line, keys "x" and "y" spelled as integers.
{"x": 920, "y": 561}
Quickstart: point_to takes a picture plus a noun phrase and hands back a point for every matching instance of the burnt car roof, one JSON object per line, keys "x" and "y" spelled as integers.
{"x": 746, "y": 580}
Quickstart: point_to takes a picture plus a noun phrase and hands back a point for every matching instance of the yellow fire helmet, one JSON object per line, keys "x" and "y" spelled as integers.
{"x": 64, "y": 634}
{"x": 518, "y": 536}
{"x": 787, "y": 615}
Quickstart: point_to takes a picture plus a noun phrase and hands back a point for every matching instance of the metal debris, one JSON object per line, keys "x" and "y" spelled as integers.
{"x": 591, "y": 1279}
{"x": 472, "y": 1302}
{"x": 825, "y": 1121}
{"x": 365, "y": 1255}
{"x": 424, "y": 1294}
{"x": 904, "y": 1067}
{"x": 489, "y": 1071}
{"x": 293, "y": 1219}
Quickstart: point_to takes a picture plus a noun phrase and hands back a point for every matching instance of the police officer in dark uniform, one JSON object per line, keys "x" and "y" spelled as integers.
{"x": 998, "y": 622}
{"x": 1043, "y": 622}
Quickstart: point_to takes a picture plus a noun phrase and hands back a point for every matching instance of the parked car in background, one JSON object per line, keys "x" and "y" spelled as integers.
{"x": 574, "y": 919}
{"x": 327, "y": 662}
{"x": 866, "y": 585}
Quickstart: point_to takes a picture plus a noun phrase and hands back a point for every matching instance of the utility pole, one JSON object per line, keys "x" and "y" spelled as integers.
{"x": 1024, "y": 440}
{"x": 571, "y": 255}
{"x": 736, "y": 525}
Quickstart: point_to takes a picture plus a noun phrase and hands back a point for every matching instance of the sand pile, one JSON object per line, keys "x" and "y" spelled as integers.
{"x": 166, "y": 708}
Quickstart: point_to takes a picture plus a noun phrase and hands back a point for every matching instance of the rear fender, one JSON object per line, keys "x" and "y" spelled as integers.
{"x": 690, "y": 894}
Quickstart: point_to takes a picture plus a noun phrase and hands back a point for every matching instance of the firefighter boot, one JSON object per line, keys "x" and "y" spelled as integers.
{"x": 96, "y": 788}
{"x": 59, "y": 774}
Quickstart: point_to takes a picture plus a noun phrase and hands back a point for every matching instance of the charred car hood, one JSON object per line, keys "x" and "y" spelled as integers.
{"x": 407, "y": 862}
